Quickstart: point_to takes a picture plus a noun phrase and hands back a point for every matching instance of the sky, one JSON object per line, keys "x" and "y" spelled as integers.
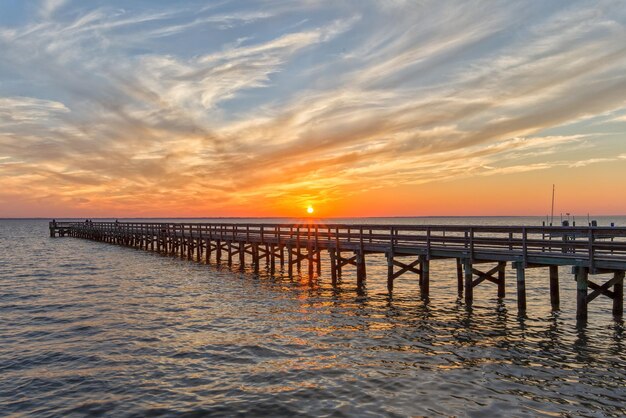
{"x": 355, "y": 107}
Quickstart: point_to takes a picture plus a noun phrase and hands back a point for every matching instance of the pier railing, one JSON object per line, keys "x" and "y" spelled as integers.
{"x": 603, "y": 247}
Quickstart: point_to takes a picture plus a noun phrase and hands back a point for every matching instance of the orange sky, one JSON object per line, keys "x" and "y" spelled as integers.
{"x": 263, "y": 109}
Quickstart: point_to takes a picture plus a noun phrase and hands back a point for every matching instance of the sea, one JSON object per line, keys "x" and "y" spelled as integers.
{"x": 93, "y": 329}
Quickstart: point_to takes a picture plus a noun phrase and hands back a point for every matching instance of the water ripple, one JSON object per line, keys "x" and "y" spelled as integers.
{"x": 89, "y": 329}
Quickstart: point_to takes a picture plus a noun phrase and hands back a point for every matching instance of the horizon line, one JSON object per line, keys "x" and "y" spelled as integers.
{"x": 301, "y": 217}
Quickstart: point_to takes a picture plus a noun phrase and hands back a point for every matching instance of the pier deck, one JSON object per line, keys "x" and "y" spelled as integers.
{"x": 589, "y": 250}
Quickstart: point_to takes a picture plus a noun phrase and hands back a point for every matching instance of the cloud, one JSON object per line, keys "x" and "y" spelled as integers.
{"x": 227, "y": 106}
{"x": 25, "y": 109}
{"x": 49, "y": 7}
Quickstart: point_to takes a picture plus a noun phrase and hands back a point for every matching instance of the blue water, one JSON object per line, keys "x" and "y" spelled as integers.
{"x": 90, "y": 328}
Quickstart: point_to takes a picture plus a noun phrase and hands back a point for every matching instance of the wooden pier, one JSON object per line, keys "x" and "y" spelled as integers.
{"x": 481, "y": 252}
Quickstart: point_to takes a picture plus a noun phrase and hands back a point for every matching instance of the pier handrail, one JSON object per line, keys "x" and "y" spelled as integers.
{"x": 585, "y": 246}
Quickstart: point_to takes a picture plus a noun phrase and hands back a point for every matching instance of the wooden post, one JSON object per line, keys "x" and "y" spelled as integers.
{"x": 218, "y": 251}
{"x": 360, "y": 268}
{"x": 309, "y": 256}
{"x": 390, "y": 271}
{"x": 282, "y": 256}
{"x": 618, "y": 291}
{"x": 318, "y": 259}
{"x": 272, "y": 259}
{"x": 469, "y": 288}
{"x": 425, "y": 276}
{"x": 229, "y": 245}
{"x": 339, "y": 266}
{"x": 521, "y": 288}
{"x": 333, "y": 266}
{"x": 459, "y": 276}
{"x": 208, "y": 251}
{"x": 242, "y": 255}
{"x": 290, "y": 260}
{"x": 582, "y": 284}
{"x": 298, "y": 248}
{"x": 255, "y": 257}
{"x": 501, "y": 279}
{"x": 554, "y": 287}
{"x": 298, "y": 258}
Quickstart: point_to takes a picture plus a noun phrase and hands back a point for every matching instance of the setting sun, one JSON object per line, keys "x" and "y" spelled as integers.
{"x": 309, "y": 210}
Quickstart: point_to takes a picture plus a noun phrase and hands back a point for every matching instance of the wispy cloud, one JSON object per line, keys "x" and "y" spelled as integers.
{"x": 49, "y": 7}
{"x": 221, "y": 107}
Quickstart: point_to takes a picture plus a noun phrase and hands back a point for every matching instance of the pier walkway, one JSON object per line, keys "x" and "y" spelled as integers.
{"x": 481, "y": 252}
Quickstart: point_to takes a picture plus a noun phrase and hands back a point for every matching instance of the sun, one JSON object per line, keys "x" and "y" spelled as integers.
{"x": 309, "y": 210}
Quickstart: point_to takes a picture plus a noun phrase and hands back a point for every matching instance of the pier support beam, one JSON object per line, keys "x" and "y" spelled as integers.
{"x": 208, "y": 251}
{"x": 554, "y": 287}
{"x": 469, "y": 288}
{"x": 272, "y": 250}
{"x": 618, "y": 294}
{"x": 290, "y": 260}
{"x": 242, "y": 255}
{"x": 520, "y": 272}
{"x": 333, "y": 266}
{"x": 256, "y": 259}
{"x": 415, "y": 266}
{"x": 360, "y": 268}
{"x": 390, "y": 276}
{"x": 425, "y": 276}
{"x": 310, "y": 258}
{"x": 582, "y": 285}
{"x": 218, "y": 252}
{"x": 459, "y": 276}
{"x": 490, "y": 275}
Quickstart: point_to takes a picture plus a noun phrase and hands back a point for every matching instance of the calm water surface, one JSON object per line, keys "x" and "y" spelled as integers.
{"x": 89, "y": 328}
